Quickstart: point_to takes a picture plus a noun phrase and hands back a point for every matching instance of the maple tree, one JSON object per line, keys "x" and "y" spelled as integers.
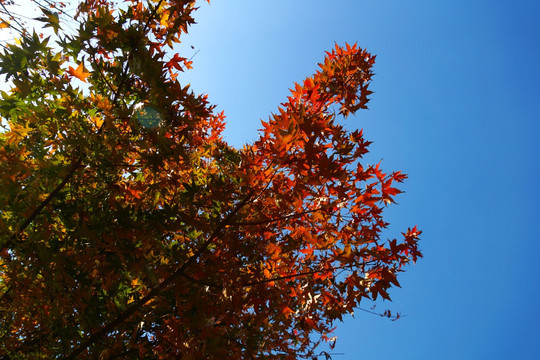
{"x": 131, "y": 229}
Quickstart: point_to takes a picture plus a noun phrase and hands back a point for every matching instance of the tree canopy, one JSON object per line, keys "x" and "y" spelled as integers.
{"x": 130, "y": 229}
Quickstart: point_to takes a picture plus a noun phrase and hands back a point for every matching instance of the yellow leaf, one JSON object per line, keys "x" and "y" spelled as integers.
{"x": 164, "y": 21}
{"x": 97, "y": 121}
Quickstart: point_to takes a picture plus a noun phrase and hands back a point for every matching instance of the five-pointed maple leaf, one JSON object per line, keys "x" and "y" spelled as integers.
{"x": 80, "y": 72}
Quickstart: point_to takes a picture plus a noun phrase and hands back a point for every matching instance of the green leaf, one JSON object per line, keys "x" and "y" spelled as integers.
{"x": 51, "y": 19}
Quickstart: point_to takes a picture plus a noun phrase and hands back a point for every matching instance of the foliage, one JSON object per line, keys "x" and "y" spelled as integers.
{"x": 130, "y": 229}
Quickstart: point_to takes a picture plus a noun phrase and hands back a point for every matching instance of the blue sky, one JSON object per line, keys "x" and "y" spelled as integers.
{"x": 456, "y": 106}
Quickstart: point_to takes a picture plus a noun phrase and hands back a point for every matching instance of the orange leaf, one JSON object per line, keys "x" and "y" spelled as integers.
{"x": 135, "y": 193}
{"x": 286, "y": 310}
{"x": 80, "y": 73}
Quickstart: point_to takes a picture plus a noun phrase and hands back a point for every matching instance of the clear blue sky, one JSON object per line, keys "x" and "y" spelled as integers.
{"x": 456, "y": 106}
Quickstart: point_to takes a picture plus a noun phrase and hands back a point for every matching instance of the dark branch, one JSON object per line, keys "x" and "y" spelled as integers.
{"x": 267, "y": 221}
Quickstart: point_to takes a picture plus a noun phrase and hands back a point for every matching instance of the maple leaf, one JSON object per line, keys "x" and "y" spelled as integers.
{"x": 51, "y": 19}
{"x": 80, "y": 72}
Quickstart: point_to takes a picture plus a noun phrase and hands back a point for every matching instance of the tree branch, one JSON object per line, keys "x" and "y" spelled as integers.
{"x": 267, "y": 221}
{"x": 44, "y": 203}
